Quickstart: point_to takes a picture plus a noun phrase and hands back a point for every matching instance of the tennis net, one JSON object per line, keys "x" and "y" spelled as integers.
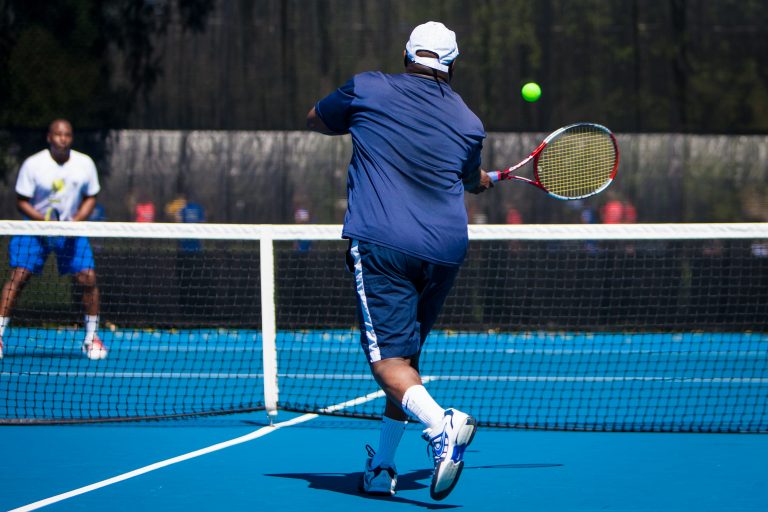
{"x": 658, "y": 327}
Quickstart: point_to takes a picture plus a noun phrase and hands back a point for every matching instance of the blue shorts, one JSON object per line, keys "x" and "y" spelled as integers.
{"x": 73, "y": 254}
{"x": 399, "y": 298}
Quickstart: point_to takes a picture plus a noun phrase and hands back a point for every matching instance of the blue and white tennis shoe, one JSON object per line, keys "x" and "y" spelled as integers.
{"x": 448, "y": 443}
{"x": 380, "y": 481}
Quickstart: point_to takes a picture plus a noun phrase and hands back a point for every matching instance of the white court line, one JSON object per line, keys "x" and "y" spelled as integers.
{"x": 603, "y": 378}
{"x": 197, "y": 453}
{"x": 367, "y": 376}
{"x": 136, "y": 375}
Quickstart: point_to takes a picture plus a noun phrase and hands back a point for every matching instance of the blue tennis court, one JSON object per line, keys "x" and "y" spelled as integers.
{"x": 588, "y": 381}
{"x": 238, "y": 462}
{"x": 645, "y": 390}
{"x": 316, "y": 465}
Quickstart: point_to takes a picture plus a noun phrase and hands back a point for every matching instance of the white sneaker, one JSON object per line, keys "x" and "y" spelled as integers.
{"x": 448, "y": 443}
{"x": 379, "y": 481}
{"x": 95, "y": 350}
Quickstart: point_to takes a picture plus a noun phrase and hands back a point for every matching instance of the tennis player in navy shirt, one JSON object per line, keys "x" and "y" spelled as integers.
{"x": 416, "y": 149}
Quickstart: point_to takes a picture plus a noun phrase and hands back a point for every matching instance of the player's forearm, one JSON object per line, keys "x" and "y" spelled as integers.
{"x": 85, "y": 210}
{"x": 27, "y": 210}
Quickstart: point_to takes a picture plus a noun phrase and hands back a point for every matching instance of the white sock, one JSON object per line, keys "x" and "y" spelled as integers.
{"x": 91, "y": 324}
{"x": 3, "y": 323}
{"x": 419, "y": 403}
{"x": 389, "y": 439}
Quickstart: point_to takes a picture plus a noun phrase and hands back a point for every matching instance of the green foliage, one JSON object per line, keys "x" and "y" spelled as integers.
{"x": 53, "y": 64}
{"x": 654, "y": 66}
{"x": 59, "y": 58}
{"x": 48, "y": 83}
{"x": 9, "y": 161}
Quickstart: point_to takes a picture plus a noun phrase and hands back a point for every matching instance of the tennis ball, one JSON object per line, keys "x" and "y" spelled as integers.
{"x": 531, "y": 92}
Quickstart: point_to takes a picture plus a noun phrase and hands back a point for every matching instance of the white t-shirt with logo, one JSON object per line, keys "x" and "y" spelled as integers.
{"x": 58, "y": 186}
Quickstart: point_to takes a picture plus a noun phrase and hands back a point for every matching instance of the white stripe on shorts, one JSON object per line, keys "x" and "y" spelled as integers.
{"x": 370, "y": 334}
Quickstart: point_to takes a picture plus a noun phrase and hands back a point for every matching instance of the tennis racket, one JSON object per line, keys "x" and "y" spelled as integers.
{"x": 52, "y": 214}
{"x": 573, "y": 162}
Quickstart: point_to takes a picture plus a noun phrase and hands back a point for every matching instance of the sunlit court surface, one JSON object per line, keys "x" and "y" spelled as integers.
{"x": 598, "y": 412}
{"x": 317, "y": 464}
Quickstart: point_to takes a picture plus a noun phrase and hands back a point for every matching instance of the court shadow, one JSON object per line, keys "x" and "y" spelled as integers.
{"x": 347, "y": 483}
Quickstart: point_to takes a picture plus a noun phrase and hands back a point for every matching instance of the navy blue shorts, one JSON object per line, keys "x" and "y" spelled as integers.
{"x": 399, "y": 298}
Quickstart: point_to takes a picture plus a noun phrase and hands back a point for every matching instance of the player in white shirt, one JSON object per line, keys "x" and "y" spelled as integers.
{"x": 57, "y": 183}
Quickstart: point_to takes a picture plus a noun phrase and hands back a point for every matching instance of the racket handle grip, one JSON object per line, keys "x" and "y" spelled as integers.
{"x": 494, "y": 176}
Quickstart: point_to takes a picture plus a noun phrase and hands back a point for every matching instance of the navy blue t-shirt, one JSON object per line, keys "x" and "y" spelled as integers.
{"x": 415, "y": 143}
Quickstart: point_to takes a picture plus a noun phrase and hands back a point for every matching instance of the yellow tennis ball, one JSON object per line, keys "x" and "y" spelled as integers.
{"x": 531, "y": 92}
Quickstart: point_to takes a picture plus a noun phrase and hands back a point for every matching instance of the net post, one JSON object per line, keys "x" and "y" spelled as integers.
{"x": 268, "y": 323}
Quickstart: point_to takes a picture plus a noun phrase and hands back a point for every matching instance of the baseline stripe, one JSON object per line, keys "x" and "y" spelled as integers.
{"x": 197, "y": 453}
{"x": 367, "y": 376}
{"x": 168, "y": 462}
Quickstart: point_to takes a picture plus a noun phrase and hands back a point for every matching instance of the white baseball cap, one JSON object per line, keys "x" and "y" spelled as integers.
{"x": 434, "y": 37}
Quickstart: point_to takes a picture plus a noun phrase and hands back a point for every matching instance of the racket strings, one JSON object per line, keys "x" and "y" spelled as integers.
{"x": 577, "y": 163}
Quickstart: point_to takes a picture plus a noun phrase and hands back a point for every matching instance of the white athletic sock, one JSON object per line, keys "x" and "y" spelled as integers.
{"x": 91, "y": 324}
{"x": 389, "y": 438}
{"x": 419, "y": 403}
{"x": 3, "y": 323}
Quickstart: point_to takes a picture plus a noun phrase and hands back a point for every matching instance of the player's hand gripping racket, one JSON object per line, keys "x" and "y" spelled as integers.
{"x": 573, "y": 162}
